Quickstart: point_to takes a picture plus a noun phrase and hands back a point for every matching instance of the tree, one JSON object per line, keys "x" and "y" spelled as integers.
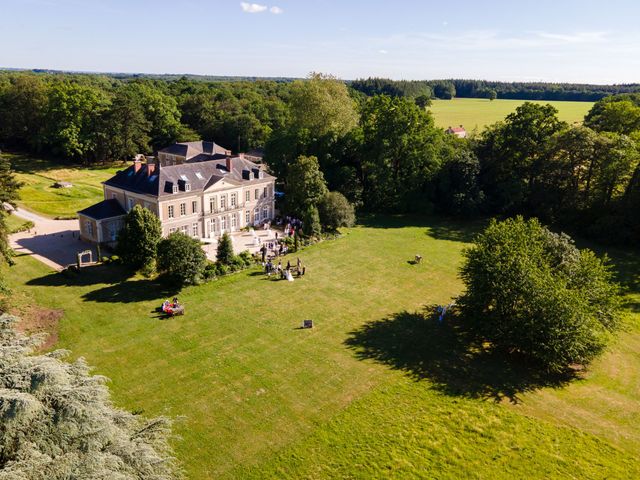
{"x": 225, "y": 254}
{"x": 322, "y": 105}
{"x": 9, "y": 188}
{"x": 138, "y": 240}
{"x": 305, "y": 185}
{"x": 58, "y": 421}
{"x": 129, "y": 128}
{"x": 399, "y": 153}
{"x": 181, "y": 258}
{"x": 457, "y": 188}
{"x": 311, "y": 221}
{"x": 492, "y": 95}
{"x": 423, "y": 101}
{"x": 336, "y": 211}
{"x": 531, "y": 291}
{"x": 511, "y": 155}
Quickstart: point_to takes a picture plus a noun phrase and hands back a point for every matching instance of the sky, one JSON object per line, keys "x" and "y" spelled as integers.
{"x": 561, "y": 40}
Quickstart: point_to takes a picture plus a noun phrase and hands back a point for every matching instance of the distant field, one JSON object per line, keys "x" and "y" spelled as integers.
{"x": 479, "y": 112}
{"x": 39, "y": 195}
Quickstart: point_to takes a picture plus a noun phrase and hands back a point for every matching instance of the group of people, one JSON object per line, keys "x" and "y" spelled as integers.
{"x": 291, "y": 225}
{"x": 273, "y": 249}
{"x": 285, "y": 273}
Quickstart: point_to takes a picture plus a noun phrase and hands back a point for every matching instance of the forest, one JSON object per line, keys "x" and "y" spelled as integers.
{"x": 381, "y": 149}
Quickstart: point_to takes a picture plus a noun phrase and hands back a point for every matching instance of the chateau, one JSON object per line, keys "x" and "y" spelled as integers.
{"x": 197, "y": 188}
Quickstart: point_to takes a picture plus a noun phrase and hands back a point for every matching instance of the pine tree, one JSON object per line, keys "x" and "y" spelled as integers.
{"x": 57, "y": 420}
{"x": 224, "y": 254}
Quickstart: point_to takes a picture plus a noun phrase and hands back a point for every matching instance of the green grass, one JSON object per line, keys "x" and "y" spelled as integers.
{"x": 477, "y": 113}
{"x": 14, "y": 222}
{"x": 373, "y": 391}
{"x": 38, "y": 177}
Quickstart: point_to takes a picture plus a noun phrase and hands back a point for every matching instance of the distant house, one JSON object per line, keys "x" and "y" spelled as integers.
{"x": 459, "y": 132}
{"x": 197, "y": 188}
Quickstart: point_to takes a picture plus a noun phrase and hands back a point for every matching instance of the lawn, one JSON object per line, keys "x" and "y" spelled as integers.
{"x": 39, "y": 195}
{"x": 479, "y": 112}
{"x": 373, "y": 391}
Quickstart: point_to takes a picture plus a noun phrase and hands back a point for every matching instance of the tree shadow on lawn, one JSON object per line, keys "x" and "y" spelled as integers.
{"x": 121, "y": 287}
{"x": 438, "y": 227}
{"x": 450, "y": 356}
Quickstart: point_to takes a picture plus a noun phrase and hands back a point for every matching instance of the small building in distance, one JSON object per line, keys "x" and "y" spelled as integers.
{"x": 197, "y": 188}
{"x": 459, "y": 132}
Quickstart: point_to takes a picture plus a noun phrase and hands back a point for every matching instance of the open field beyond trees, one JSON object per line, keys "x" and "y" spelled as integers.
{"x": 477, "y": 113}
{"x": 39, "y": 195}
{"x": 375, "y": 390}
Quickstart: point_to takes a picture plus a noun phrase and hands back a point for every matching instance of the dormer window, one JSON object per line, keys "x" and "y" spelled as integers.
{"x": 175, "y": 189}
{"x": 187, "y": 187}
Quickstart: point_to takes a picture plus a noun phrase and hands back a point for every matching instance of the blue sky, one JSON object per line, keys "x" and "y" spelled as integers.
{"x": 542, "y": 40}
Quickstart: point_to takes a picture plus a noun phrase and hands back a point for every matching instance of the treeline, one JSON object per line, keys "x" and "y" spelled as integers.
{"x": 95, "y": 118}
{"x": 382, "y": 152}
{"x": 446, "y": 89}
{"x": 385, "y": 154}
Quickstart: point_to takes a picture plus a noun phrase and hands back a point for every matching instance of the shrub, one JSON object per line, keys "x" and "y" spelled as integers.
{"x": 138, "y": 240}
{"x": 181, "y": 258}
{"x": 532, "y": 291}
{"x": 246, "y": 258}
{"x": 115, "y": 259}
{"x": 336, "y": 211}
{"x": 210, "y": 271}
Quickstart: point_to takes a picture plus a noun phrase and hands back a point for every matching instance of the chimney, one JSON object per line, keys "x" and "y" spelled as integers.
{"x": 151, "y": 167}
{"x": 137, "y": 164}
{"x": 228, "y": 163}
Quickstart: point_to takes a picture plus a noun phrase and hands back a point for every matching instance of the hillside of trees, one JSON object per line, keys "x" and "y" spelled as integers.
{"x": 383, "y": 152}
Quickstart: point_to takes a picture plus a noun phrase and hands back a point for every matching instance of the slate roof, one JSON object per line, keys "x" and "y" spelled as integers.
{"x": 105, "y": 209}
{"x": 199, "y": 174}
{"x": 191, "y": 149}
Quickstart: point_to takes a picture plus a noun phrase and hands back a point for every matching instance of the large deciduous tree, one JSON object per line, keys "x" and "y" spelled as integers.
{"x": 138, "y": 240}
{"x": 181, "y": 258}
{"x": 400, "y": 153}
{"x": 305, "y": 185}
{"x": 322, "y": 105}
{"x": 531, "y": 291}
{"x": 57, "y": 420}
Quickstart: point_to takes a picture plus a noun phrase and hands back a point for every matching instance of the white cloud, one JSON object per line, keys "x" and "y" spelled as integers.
{"x": 383, "y": 52}
{"x": 445, "y": 23}
{"x": 276, "y": 10}
{"x": 252, "y": 7}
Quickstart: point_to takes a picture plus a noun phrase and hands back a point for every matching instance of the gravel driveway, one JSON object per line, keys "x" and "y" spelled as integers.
{"x": 54, "y": 242}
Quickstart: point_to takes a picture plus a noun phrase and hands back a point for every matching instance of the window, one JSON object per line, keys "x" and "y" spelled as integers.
{"x": 223, "y": 223}
{"x": 170, "y": 211}
{"x": 194, "y": 229}
{"x": 265, "y": 212}
{"x": 234, "y": 221}
{"x": 89, "y": 228}
{"x": 131, "y": 202}
{"x": 183, "y": 209}
{"x": 184, "y": 229}
{"x": 247, "y": 195}
{"x": 247, "y": 217}
{"x": 194, "y": 206}
{"x": 223, "y": 201}
{"x": 113, "y": 232}
{"x": 187, "y": 187}
{"x": 213, "y": 225}
{"x": 212, "y": 204}
{"x": 172, "y": 230}
{"x": 175, "y": 189}
{"x": 234, "y": 199}
{"x": 256, "y": 215}
{"x": 114, "y": 195}
{"x": 255, "y": 194}
{"x": 264, "y": 193}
